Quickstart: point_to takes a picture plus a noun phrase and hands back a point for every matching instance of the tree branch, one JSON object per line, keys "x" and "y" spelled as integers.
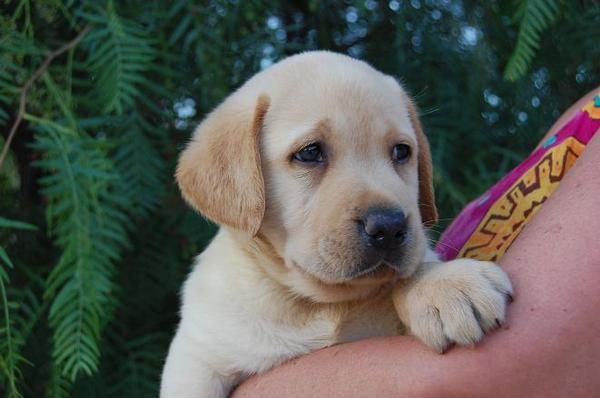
{"x": 29, "y": 83}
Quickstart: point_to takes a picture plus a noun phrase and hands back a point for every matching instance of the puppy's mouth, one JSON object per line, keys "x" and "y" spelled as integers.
{"x": 403, "y": 270}
{"x": 372, "y": 270}
{"x": 382, "y": 270}
{"x": 382, "y": 266}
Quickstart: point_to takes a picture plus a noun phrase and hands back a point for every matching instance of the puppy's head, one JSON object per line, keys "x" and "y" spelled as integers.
{"x": 322, "y": 158}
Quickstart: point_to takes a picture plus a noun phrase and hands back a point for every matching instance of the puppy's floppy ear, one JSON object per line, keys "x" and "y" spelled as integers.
{"x": 427, "y": 206}
{"x": 219, "y": 173}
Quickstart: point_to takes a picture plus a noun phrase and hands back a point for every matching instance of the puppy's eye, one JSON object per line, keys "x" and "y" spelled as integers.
{"x": 401, "y": 153}
{"x": 311, "y": 153}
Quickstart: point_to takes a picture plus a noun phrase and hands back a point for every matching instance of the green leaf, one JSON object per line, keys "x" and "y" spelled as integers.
{"x": 4, "y": 257}
{"x": 13, "y": 224}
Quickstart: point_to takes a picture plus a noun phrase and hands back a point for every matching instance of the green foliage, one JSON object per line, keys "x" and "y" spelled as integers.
{"x": 535, "y": 16}
{"x": 87, "y": 221}
{"x": 140, "y": 165}
{"x": 120, "y": 52}
{"x": 89, "y": 299}
{"x": 14, "y": 324}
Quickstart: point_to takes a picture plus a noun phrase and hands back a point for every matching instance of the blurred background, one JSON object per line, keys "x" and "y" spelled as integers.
{"x": 97, "y": 98}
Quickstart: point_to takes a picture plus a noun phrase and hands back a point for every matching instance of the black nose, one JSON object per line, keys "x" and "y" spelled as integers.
{"x": 384, "y": 228}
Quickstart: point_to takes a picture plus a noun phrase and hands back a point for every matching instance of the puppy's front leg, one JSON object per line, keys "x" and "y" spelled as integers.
{"x": 453, "y": 302}
{"x": 186, "y": 374}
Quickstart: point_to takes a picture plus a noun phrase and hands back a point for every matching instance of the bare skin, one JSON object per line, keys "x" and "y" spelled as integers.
{"x": 550, "y": 348}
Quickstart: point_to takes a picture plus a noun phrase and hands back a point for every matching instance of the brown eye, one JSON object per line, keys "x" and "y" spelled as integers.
{"x": 401, "y": 153}
{"x": 311, "y": 153}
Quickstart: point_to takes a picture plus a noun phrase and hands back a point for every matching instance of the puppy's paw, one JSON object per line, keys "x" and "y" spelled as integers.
{"x": 454, "y": 302}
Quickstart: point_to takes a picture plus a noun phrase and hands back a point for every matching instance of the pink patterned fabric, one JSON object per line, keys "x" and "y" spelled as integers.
{"x": 582, "y": 127}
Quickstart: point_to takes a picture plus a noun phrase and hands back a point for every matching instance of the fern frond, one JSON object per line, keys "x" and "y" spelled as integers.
{"x": 10, "y": 340}
{"x": 535, "y": 17}
{"x": 59, "y": 385}
{"x": 142, "y": 167}
{"x": 119, "y": 55}
{"x": 88, "y": 224}
{"x": 140, "y": 362}
{"x": 9, "y": 357}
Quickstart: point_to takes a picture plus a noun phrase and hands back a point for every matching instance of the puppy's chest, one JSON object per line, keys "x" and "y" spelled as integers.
{"x": 337, "y": 324}
{"x": 376, "y": 317}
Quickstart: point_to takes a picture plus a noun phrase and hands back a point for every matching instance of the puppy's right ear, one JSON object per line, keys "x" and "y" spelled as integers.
{"x": 429, "y": 215}
{"x": 219, "y": 173}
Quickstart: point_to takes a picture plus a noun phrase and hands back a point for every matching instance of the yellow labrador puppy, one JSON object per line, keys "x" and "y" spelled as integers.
{"x": 320, "y": 176}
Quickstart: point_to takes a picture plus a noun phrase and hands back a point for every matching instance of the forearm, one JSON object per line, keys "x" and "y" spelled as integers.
{"x": 365, "y": 368}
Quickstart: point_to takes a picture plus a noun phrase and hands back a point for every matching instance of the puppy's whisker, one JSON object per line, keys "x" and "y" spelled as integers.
{"x": 434, "y": 229}
{"x": 445, "y": 245}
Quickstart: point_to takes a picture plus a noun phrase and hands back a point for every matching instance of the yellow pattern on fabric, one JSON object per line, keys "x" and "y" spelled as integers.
{"x": 592, "y": 110}
{"x": 509, "y": 214}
